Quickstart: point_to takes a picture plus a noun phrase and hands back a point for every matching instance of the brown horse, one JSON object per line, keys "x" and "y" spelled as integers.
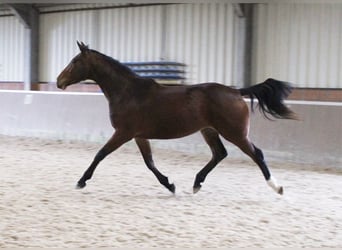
{"x": 143, "y": 109}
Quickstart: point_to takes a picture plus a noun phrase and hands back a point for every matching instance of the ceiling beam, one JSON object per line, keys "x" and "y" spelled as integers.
{"x": 24, "y": 12}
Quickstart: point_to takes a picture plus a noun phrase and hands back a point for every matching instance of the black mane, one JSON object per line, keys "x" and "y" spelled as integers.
{"x": 121, "y": 68}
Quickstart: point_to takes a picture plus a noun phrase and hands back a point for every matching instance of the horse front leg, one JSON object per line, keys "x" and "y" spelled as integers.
{"x": 145, "y": 149}
{"x": 114, "y": 143}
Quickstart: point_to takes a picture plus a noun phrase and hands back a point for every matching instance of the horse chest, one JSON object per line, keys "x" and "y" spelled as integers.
{"x": 123, "y": 117}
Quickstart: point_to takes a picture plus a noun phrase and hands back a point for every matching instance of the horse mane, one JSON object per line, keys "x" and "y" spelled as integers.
{"x": 120, "y": 68}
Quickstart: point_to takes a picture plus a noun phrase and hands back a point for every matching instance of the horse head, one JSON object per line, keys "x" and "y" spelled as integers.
{"x": 77, "y": 70}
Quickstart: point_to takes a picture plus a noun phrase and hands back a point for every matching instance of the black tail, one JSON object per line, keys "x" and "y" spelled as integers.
{"x": 271, "y": 94}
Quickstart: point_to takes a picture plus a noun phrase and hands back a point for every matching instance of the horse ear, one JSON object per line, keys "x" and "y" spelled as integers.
{"x": 83, "y": 48}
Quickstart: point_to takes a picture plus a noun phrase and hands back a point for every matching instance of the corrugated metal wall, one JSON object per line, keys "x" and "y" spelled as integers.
{"x": 11, "y": 49}
{"x": 202, "y": 36}
{"x": 131, "y": 34}
{"x": 58, "y": 35}
{"x": 300, "y": 43}
{"x": 199, "y": 35}
{"x": 127, "y": 34}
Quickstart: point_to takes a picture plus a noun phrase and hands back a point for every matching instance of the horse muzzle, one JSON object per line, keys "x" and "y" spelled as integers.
{"x": 61, "y": 84}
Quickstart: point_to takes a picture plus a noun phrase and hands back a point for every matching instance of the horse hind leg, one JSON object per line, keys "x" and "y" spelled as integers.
{"x": 256, "y": 154}
{"x": 219, "y": 153}
{"x": 145, "y": 149}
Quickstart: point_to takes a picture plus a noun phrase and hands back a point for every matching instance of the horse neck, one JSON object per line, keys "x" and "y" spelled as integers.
{"x": 112, "y": 83}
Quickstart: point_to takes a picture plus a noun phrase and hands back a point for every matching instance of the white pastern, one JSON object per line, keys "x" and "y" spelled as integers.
{"x": 272, "y": 182}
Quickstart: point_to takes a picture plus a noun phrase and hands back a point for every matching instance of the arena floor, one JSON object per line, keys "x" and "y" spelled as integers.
{"x": 125, "y": 206}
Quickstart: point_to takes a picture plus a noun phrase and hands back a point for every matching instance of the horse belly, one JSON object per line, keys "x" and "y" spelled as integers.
{"x": 171, "y": 125}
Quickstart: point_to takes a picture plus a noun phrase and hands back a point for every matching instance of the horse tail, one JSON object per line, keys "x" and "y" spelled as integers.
{"x": 271, "y": 95}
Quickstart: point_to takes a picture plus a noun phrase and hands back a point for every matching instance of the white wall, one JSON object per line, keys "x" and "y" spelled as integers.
{"x": 131, "y": 34}
{"x": 11, "y": 49}
{"x": 58, "y": 35}
{"x": 202, "y": 36}
{"x": 300, "y": 43}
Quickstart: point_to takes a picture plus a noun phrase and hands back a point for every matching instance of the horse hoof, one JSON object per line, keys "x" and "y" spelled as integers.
{"x": 281, "y": 191}
{"x": 196, "y": 189}
{"x": 172, "y": 188}
{"x": 80, "y": 185}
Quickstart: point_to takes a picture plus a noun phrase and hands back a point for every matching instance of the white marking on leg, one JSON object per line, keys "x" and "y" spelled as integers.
{"x": 272, "y": 182}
